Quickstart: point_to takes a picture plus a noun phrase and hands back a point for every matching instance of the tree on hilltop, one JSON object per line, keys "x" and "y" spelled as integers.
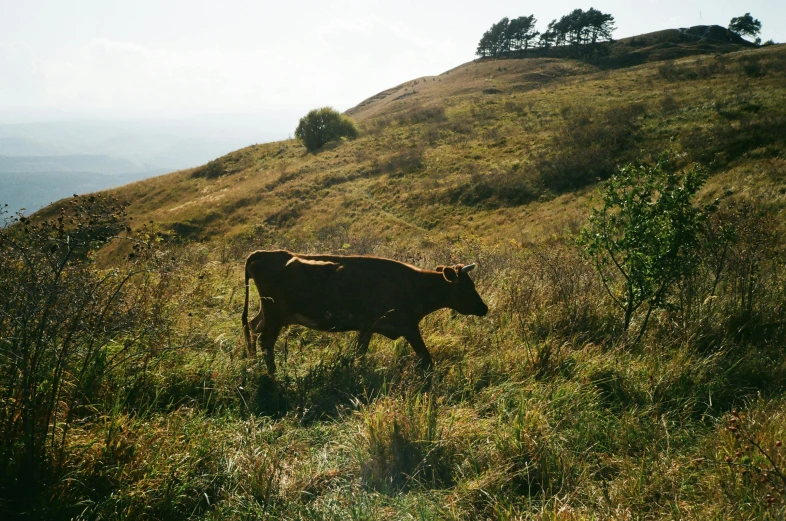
{"x": 578, "y": 29}
{"x": 522, "y": 31}
{"x": 485, "y": 46}
{"x": 746, "y": 24}
{"x": 500, "y": 37}
{"x": 599, "y": 25}
{"x": 507, "y": 36}
{"x": 321, "y": 126}
{"x": 549, "y": 36}
{"x": 581, "y": 27}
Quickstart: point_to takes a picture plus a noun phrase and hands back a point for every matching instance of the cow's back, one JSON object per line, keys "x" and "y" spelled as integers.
{"x": 371, "y": 287}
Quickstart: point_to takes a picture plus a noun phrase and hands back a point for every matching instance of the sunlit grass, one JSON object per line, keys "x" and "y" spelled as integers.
{"x": 541, "y": 410}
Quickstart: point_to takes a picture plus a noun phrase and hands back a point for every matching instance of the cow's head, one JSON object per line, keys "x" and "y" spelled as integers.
{"x": 464, "y": 297}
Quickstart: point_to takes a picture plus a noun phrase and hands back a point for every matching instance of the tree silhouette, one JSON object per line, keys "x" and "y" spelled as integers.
{"x": 745, "y": 24}
{"x": 600, "y": 25}
{"x": 579, "y": 29}
{"x": 522, "y": 31}
{"x": 548, "y": 38}
{"x": 500, "y": 37}
{"x": 486, "y": 45}
{"x": 507, "y": 36}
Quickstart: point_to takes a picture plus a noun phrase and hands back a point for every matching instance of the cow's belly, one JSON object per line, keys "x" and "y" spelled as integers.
{"x": 330, "y": 321}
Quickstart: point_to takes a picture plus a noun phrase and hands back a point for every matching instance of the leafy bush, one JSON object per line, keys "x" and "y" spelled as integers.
{"x": 321, "y": 126}
{"x": 645, "y": 237}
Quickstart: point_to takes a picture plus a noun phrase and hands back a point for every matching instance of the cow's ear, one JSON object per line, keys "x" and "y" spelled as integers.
{"x": 450, "y": 274}
{"x": 440, "y": 269}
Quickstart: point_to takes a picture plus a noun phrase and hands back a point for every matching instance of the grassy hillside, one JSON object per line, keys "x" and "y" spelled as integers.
{"x": 125, "y": 393}
{"x": 469, "y": 150}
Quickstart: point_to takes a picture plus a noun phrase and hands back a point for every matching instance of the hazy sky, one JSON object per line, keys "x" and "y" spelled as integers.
{"x": 160, "y": 58}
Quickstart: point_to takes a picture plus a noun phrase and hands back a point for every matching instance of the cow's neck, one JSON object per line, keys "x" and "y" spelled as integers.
{"x": 436, "y": 292}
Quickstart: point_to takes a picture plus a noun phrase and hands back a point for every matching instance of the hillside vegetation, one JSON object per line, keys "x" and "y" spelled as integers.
{"x": 125, "y": 393}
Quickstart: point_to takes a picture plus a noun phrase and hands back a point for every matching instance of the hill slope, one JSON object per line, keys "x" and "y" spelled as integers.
{"x": 486, "y": 147}
{"x": 134, "y": 387}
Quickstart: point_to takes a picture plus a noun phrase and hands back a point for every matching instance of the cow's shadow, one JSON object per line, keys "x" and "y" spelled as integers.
{"x": 323, "y": 390}
{"x": 334, "y": 384}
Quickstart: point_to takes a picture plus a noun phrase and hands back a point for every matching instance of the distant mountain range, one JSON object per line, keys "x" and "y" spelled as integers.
{"x": 96, "y": 164}
{"x": 41, "y": 162}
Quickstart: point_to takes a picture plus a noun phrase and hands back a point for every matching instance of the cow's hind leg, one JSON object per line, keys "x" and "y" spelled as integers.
{"x": 252, "y": 333}
{"x": 267, "y": 339}
{"x": 363, "y": 339}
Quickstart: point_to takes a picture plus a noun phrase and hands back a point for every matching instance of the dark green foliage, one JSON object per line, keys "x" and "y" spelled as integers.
{"x": 321, "y": 126}
{"x": 583, "y": 27}
{"x": 579, "y": 29}
{"x": 211, "y": 170}
{"x": 508, "y": 37}
{"x": 745, "y": 25}
{"x": 645, "y": 238}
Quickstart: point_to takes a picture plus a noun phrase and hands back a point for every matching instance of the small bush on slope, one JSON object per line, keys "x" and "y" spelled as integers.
{"x": 321, "y": 126}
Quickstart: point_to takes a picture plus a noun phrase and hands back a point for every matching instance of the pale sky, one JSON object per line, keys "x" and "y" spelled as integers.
{"x": 175, "y": 58}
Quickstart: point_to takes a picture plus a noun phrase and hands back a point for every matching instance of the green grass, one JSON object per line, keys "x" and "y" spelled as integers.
{"x": 542, "y": 409}
{"x": 538, "y": 411}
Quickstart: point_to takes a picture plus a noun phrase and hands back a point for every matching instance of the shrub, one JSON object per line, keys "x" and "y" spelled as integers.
{"x": 320, "y": 126}
{"x": 645, "y": 237}
{"x": 65, "y": 325}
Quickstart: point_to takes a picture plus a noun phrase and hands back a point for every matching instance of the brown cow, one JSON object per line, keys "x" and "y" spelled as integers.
{"x": 351, "y": 293}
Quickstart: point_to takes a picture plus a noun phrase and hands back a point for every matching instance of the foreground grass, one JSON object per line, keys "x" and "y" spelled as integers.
{"x": 540, "y": 410}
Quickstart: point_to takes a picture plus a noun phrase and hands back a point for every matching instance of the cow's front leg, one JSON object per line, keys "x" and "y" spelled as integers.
{"x": 416, "y": 341}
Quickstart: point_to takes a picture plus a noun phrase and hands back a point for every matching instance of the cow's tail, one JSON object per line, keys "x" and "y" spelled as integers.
{"x": 244, "y": 318}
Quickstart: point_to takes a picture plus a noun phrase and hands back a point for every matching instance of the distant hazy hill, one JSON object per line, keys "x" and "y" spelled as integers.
{"x": 171, "y": 144}
{"x": 42, "y": 162}
{"x": 34, "y": 190}
{"x": 22, "y": 146}
{"x": 31, "y": 182}
{"x": 70, "y": 163}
